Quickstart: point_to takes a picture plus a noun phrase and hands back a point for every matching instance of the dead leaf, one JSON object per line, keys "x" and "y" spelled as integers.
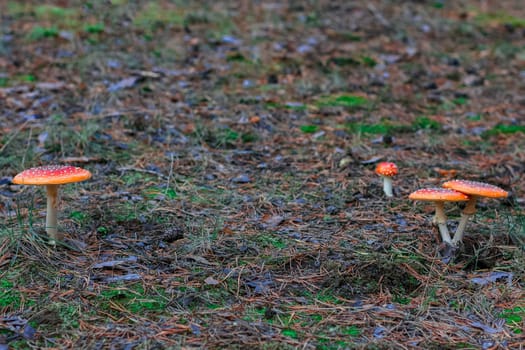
{"x": 123, "y": 84}
{"x": 50, "y": 85}
{"x": 201, "y": 260}
{"x": 80, "y": 159}
{"x": 448, "y": 173}
{"x": 372, "y": 160}
{"x": 211, "y": 281}
{"x": 272, "y": 221}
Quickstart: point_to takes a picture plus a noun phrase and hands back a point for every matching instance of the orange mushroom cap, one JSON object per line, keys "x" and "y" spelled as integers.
{"x": 386, "y": 169}
{"x": 51, "y": 175}
{"x": 438, "y": 194}
{"x": 476, "y": 188}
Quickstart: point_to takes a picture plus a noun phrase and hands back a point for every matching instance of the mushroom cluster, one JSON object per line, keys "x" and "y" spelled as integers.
{"x": 439, "y": 196}
{"x": 52, "y": 176}
{"x": 474, "y": 189}
{"x": 454, "y": 191}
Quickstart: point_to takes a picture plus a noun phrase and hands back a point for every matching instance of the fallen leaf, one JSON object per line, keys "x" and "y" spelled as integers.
{"x": 372, "y": 160}
{"x": 201, "y": 260}
{"x": 272, "y": 221}
{"x": 448, "y": 173}
{"x": 127, "y": 277}
{"x": 493, "y": 277}
{"x": 123, "y": 84}
{"x": 80, "y": 159}
{"x": 115, "y": 263}
{"x": 227, "y": 231}
{"x": 486, "y": 329}
{"x": 50, "y": 85}
{"x": 211, "y": 281}
{"x": 242, "y": 179}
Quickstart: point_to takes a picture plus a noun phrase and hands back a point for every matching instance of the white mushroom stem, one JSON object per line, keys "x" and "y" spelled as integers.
{"x": 470, "y": 209}
{"x": 51, "y": 216}
{"x": 441, "y": 221}
{"x": 387, "y": 185}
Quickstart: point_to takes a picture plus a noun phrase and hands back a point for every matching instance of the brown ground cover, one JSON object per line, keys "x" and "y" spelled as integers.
{"x": 233, "y": 202}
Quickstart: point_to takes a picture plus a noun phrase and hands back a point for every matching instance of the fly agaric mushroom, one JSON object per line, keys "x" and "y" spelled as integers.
{"x": 439, "y": 196}
{"x": 474, "y": 189}
{"x": 386, "y": 170}
{"x": 51, "y": 176}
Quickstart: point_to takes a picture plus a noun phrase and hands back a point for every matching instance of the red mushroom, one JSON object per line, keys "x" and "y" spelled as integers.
{"x": 474, "y": 189}
{"x": 51, "y": 176}
{"x": 386, "y": 170}
{"x": 439, "y": 196}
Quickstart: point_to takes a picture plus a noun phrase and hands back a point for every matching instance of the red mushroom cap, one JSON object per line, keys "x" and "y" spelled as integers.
{"x": 51, "y": 175}
{"x": 438, "y": 195}
{"x": 386, "y": 169}
{"x": 476, "y": 188}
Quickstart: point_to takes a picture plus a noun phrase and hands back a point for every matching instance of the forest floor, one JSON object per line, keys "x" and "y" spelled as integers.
{"x": 233, "y": 202}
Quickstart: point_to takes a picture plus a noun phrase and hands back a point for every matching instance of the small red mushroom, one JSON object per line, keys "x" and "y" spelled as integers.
{"x": 474, "y": 189}
{"x": 439, "y": 196}
{"x": 51, "y": 176}
{"x": 386, "y": 170}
